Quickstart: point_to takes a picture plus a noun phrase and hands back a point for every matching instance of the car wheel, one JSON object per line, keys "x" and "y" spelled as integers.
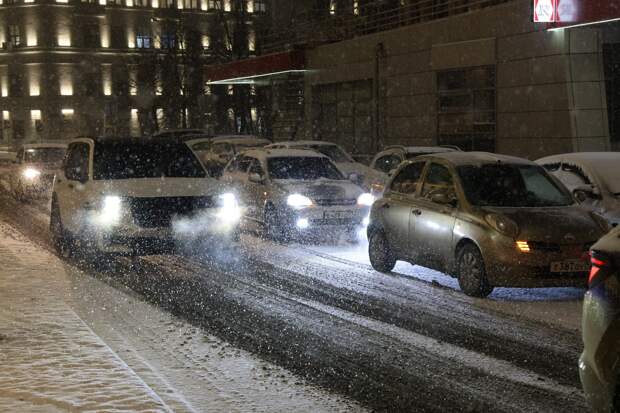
{"x": 472, "y": 273}
{"x": 381, "y": 256}
{"x": 60, "y": 239}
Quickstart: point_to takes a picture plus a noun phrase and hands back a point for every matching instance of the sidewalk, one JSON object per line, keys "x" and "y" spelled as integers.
{"x": 50, "y": 360}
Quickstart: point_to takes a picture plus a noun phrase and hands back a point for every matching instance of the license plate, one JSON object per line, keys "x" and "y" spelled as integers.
{"x": 337, "y": 214}
{"x": 569, "y": 266}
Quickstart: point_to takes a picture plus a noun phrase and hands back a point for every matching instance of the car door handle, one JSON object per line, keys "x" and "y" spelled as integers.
{"x": 416, "y": 212}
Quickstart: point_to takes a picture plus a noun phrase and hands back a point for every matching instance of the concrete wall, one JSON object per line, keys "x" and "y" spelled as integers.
{"x": 550, "y": 93}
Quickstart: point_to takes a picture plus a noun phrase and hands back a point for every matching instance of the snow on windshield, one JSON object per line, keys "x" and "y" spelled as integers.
{"x": 302, "y": 168}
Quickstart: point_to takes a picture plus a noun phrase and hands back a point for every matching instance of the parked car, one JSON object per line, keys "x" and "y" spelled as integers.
{"x": 592, "y": 177}
{"x": 135, "y": 196}
{"x": 37, "y": 163}
{"x": 179, "y": 133}
{"x": 388, "y": 160}
{"x": 215, "y": 153}
{"x": 289, "y": 192}
{"x": 7, "y": 155}
{"x": 599, "y": 365}
{"x": 489, "y": 220}
{"x": 344, "y": 161}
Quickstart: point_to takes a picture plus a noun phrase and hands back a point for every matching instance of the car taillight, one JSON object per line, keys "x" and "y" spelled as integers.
{"x": 600, "y": 270}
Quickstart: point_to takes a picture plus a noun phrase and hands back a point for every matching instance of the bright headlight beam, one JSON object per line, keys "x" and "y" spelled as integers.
{"x": 31, "y": 173}
{"x": 366, "y": 199}
{"x": 111, "y": 209}
{"x": 298, "y": 201}
{"x": 229, "y": 208}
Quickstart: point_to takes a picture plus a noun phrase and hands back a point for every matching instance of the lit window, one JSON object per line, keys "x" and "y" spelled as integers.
{"x": 31, "y": 36}
{"x": 6, "y": 115}
{"x": 102, "y": 2}
{"x": 231, "y": 90}
{"x": 67, "y": 113}
{"x": 356, "y": 7}
{"x": 129, "y": 3}
{"x": 66, "y": 86}
{"x": 208, "y": 90}
{"x": 227, "y": 5}
{"x": 64, "y": 40}
{"x": 134, "y": 114}
{"x": 332, "y": 7}
{"x": 253, "y": 90}
{"x": 143, "y": 41}
{"x": 251, "y": 41}
{"x": 62, "y": 1}
{"x": 254, "y": 114}
{"x": 155, "y": 4}
{"x": 35, "y": 89}
{"x": 250, "y": 6}
{"x": 35, "y": 114}
{"x": 28, "y": 1}
{"x": 206, "y": 42}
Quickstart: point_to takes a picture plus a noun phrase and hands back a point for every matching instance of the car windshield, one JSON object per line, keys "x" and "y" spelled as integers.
{"x": 333, "y": 152}
{"x": 302, "y": 168}
{"x": 505, "y": 185}
{"x": 240, "y": 147}
{"x": 119, "y": 160}
{"x": 44, "y": 155}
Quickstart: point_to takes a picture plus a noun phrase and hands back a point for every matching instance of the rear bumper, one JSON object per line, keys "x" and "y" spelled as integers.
{"x": 599, "y": 394}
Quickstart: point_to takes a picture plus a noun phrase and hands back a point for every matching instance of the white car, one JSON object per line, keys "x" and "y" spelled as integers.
{"x": 137, "y": 196}
{"x": 292, "y": 192}
{"x": 37, "y": 163}
{"x": 216, "y": 152}
{"x": 592, "y": 177}
{"x": 388, "y": 160}
{"x": 344, "y": 161}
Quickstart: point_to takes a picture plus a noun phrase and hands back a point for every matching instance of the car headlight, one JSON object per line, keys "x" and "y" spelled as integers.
{"x": 111, "y": 209}
{"x": 601, "y": 222}
{"x": 502, "y": 224}
{"x": 31, "y": 173}
{"x": 230, "y": 210}
{"x": 298, "y": 201}
{"x": 365, "y": 199}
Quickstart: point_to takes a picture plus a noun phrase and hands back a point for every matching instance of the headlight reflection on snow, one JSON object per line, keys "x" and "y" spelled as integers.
{"x": 31, "y": 173}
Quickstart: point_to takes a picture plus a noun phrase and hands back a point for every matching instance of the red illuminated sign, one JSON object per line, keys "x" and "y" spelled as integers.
{"x": 544, "y": 11}
{"x": 575, "y": 12}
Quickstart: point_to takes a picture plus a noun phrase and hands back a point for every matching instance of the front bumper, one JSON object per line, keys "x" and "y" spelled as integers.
{"x": 508, "y": 267}
{"x": 326, "y": 218}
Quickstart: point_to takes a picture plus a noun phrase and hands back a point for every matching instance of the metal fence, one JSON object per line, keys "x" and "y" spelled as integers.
{"x": 365, "y": 17}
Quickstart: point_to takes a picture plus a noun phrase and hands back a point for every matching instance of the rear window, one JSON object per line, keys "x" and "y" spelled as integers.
{"x": 129, "y": 160}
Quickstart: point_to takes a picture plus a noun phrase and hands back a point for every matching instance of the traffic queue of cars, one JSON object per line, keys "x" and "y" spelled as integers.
{"x": 488, "y": 220}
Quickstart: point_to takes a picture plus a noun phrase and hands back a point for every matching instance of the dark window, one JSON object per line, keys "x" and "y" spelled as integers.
{"x": 191, "y": 4}
{"x": 76, "y": 162}
{"x": 240, "y": 164}
{"x": 91, "y": 36}
{"x": 15, "y": 37}
{"x": 438, "y": 179}
{"x": 256, "y": 168}
{"x": 552, "y": 167}
{"x": 168, "y": 41}
{"x": 123, "y": 160}
{"x": 406, "y": 182}
{"x": 388, "y": 163}
{"x": 16, "y": 83}
{"x": 505, "y": 185}
{"x": 466, "y": 108}
{"x": 260, "y": 6}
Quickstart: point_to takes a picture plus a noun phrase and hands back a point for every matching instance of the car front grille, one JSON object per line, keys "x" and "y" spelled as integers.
{"x": 335, "y": 202}
{"x": 159, "y": 212}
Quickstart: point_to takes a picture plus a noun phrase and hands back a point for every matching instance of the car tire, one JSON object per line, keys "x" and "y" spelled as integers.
{"x": 380, "y": 253}
{"x": 61, "y": 240}
{"x": 471, "y": 272}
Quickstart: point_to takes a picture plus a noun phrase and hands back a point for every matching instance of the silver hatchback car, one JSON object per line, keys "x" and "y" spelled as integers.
{"x": 489, "y": 220}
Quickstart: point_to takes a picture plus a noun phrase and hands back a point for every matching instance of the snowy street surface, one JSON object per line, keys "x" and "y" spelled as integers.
{"x": 303, "y": 327}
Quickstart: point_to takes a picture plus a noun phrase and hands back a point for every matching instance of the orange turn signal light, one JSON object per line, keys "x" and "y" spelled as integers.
{"x": 523, "y": 246}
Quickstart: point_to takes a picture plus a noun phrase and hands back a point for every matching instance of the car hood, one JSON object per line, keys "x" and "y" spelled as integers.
{"x": 561, "y": 225}
{"x": 160, "y": 187}
{"x": 322, "y": 189}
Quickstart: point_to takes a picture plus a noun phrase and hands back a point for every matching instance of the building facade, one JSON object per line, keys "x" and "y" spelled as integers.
{"x": 479, "y": 74}
{"x": 123, "y": 67}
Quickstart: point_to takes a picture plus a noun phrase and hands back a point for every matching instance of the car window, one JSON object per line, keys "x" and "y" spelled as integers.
{"x": 203, "y": 146}
{"x": 219, "y": 148}
{"x": 438, "y": 179}
{"x": 552, "y": 167}
{"x": 305, "y": 168}
{"x": 76, "y": 164}
{"x": 256, "y": 168}
{"x": 387, "y": 163}
{"x": 239, "y": 164}
{"x": 406, "y": 182}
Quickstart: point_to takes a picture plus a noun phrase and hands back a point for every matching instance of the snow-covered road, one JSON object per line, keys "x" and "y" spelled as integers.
{"x": 406, "y": 341}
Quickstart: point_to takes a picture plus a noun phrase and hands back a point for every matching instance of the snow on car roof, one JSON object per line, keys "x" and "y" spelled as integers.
{"x": 44, "y": 145}
{"x": 586, "y": 158}
{"x": 429, "y": 149}
{"x": 468, "y": 158}
{"x": 282, "y": 152}
{"x": 603, "y": 164}
{"x": 241, "y": 140}
{"x": 290, "y": 144}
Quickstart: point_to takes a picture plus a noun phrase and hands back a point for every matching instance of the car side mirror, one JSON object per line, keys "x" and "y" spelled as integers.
{"x": 256, "y": 178}
{"x": 443, "y": 198}
{"x": 75, "y": 174}
{"x": 582, "y": 193}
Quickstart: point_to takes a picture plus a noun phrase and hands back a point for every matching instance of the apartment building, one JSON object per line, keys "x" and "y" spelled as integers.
{"x": 124, "y": 67}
